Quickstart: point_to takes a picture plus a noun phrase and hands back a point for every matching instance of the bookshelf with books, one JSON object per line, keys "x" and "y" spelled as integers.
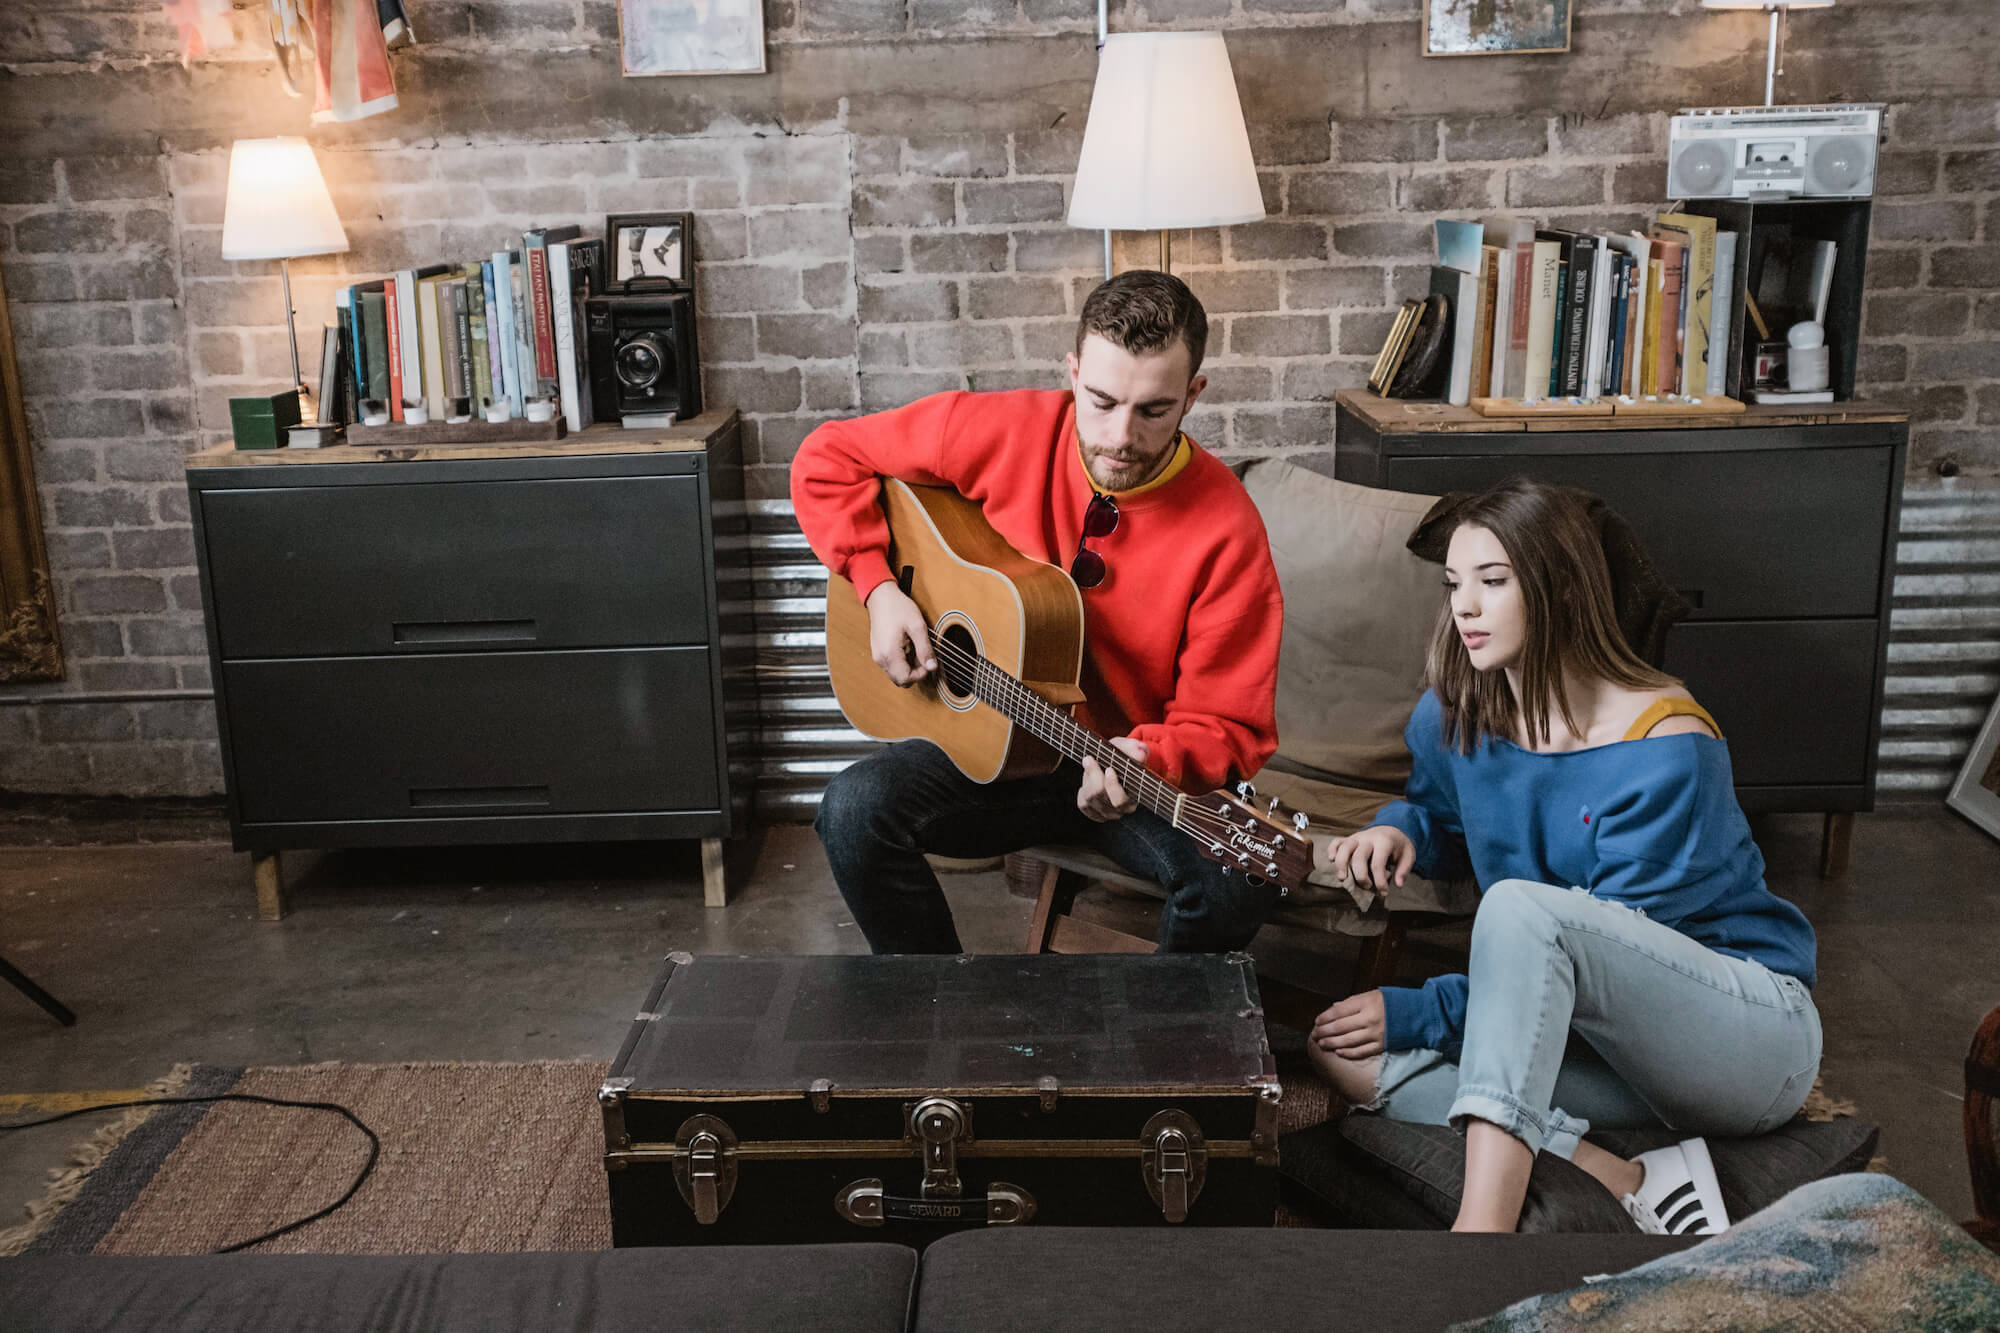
{"x": 1690, "y": 315}
{"x": 490, "y": 348}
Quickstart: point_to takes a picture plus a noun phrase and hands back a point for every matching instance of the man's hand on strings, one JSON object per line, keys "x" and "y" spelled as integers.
{"x": 1102, "y": 796}
{"x": 899, "y": 638}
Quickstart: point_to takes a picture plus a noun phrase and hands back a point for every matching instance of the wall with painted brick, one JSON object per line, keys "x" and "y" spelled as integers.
{"x": 879, "y": 217}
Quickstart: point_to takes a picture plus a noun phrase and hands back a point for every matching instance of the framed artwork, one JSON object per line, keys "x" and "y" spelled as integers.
{"x": 1496, "y": 27}
{"x": 1976, "y": 793}
{"x": 692, "y": 36}
{"x": 29, "y": 647}
{"x": 649, "y": 252}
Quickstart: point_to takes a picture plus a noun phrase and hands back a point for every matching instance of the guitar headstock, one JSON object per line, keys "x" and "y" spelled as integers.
{"x": 1232, "y": 832}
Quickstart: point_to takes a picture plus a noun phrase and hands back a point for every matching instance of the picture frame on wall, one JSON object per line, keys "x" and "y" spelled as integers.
{"x": 657, "y": 37}
{"x": 649, "y": 252}
{"x": 1976, "y": 792}
{"x": 1496, "y": 27}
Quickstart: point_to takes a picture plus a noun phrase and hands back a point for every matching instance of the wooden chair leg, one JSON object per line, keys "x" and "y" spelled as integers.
{"x": 714, "y": 874}
{"x": 1836, "y": 832}
{"x": 1058, "y": 896}
{"x": 1379, "y": 954}
{"x": 268, "y": 869}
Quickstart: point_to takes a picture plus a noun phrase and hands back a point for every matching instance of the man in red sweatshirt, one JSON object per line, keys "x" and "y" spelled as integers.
{"x": 1182, "y": 616}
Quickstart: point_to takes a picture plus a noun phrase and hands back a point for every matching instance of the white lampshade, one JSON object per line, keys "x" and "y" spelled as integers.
{"x": 1165, "y": 146}
{"x": 278, "y": 206}
{"x": 1767, "y": 4}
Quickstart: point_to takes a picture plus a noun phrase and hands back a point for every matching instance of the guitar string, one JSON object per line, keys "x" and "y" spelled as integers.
{"x": 1151, "y": 789}
{"x": 1194, "y": 818}
{"x": 1162, "y": 795}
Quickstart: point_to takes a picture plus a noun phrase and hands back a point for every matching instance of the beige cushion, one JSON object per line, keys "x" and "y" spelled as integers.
{"x": 1359, "y": 609}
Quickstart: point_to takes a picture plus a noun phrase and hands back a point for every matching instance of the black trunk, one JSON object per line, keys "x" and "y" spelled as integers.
{"x": 906, "y": 1097}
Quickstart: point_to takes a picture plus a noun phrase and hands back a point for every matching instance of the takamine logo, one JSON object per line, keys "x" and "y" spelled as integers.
{"x": 1262, "y": 847}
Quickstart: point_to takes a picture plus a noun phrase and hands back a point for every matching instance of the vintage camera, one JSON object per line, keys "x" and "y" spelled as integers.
{"x": 642, "y": 352}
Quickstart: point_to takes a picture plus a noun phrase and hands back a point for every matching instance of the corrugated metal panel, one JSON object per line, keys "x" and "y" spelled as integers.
{"x": 1944, "y": 650}
{"x": 1944, "y": 637}
{"x": 801, "y": 737}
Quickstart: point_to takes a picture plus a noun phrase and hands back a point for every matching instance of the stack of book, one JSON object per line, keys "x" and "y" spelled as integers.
{"x": 1548, "y": 313}
{"x": 479, "y": 340}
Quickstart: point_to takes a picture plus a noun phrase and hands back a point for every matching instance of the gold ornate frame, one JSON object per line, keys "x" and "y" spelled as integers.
{"x": 29, "y": 646}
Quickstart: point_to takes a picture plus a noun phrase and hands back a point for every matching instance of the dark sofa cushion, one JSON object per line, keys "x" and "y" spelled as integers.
{"x": 856, "y": 1288}
{"x": 1162, "y": 1279}
{"x": 1371, "y": 1171}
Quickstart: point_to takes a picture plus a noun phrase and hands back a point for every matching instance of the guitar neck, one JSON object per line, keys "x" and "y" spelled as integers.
{"x": 1003, "y": 692}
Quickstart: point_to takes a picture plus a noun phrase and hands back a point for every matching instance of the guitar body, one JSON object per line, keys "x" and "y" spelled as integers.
{"x": 1023, "y": 616}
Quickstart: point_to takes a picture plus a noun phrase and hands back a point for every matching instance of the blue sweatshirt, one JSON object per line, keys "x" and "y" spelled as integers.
{"x": 1652, "y": 824}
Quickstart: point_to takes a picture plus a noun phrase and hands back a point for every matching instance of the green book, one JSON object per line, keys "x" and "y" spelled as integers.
{"x": 482, "y": 367}
{"x": 451, "y": 299}
{"x": 375, "y": 345}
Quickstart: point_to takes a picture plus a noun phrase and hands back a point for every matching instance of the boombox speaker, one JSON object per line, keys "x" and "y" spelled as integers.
{"x": 1776, "y": 152}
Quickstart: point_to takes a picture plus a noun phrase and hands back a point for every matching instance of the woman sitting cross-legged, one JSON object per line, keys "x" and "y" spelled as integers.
{"x": 1629, "y": 967}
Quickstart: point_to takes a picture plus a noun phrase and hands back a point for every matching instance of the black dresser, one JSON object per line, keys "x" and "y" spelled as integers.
{"x": 473, "y": 643}
{"x": 1778, "y": 525}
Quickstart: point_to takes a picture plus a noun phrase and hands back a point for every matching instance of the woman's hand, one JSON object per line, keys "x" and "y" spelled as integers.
{"x": 1374, "y": 857}
{"x": 1353, "y": 1029}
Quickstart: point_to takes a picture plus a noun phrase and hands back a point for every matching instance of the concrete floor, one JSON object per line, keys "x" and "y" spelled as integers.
{"x": 543, "y": 952}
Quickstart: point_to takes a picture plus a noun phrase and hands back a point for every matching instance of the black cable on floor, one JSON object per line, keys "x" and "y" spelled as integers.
{"x": 374, "y": 1146}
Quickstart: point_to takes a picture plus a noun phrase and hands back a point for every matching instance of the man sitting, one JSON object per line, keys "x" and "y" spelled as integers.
{"x": 1182, "y": 618}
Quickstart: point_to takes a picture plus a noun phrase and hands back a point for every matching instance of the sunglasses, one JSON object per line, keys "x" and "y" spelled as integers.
{"x": 1100, "y": 520}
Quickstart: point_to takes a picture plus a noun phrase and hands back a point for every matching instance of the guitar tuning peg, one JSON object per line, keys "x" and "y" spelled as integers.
{"x": 1246, "y": 792}
{"x": 1299, "y": 821}
{"x": 1272, "y": 809}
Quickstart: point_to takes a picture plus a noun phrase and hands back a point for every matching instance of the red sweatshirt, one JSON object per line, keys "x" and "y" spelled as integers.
{"x": 1180, "y": 640}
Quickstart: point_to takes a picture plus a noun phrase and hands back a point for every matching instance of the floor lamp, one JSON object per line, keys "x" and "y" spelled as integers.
{"x": 1771, "y": 48}
{"x": 1165, "y": 146}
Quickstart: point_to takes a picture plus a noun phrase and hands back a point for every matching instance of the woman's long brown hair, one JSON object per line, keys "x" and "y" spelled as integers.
{"x": 1572, "y": 625}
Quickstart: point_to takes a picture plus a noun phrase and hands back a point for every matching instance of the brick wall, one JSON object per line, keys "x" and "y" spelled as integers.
{"x": 878, "y": 218}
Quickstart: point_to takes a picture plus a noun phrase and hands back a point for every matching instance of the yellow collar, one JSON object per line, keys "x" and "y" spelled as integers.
{"x": 1183, "y": 455}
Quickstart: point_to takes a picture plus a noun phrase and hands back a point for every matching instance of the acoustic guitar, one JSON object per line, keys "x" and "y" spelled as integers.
{"x": 1007, "y": 632}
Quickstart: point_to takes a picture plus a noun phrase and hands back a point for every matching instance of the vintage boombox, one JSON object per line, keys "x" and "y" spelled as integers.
{"x": 1770, "y": 152}
{"x": 643, "y": 360}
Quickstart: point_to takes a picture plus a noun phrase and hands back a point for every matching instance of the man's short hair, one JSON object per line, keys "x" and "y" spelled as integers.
{"x": 1143, "y": 311}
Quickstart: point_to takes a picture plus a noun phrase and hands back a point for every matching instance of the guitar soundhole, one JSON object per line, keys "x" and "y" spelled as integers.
{"x": 957, "y": 661}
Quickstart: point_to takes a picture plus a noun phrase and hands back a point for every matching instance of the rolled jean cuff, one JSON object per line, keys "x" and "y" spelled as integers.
{"x": 1564, "y": 1133}
{"x": 1496, "y": 1106}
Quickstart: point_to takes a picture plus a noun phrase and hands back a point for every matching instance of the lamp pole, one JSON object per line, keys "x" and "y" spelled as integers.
{"x": 1771, "y": 61}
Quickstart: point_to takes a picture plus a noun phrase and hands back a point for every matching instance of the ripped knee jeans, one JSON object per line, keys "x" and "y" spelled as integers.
{"x": 1582, "y": 1012}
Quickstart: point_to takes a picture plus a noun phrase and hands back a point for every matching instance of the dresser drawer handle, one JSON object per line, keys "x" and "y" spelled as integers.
{"x": 464, "y": 631}
{"x": 461, "y": 798}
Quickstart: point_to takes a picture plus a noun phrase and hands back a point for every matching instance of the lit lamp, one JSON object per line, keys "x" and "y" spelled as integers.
{"x": 1771, "y": 49}
{"x": 278, "y": 208}
{"x": 1165, "y": 145}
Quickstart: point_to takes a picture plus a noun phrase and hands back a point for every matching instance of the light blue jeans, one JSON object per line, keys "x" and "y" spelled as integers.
{"x": 1583, "y": 1012}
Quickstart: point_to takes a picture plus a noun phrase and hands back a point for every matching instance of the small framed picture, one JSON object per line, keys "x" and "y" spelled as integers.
{"x": 1976, "y": 793}
{"x": 691, "y": 36}
{"x": 1495, "y": 27}
{"x": 650, "y": 252}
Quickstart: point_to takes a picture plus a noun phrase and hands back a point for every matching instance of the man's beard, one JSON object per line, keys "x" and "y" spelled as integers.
{"x": 1128, "y": 475}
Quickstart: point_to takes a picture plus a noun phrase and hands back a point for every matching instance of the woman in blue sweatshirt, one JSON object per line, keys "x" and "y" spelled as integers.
{"x": 1629, "y": 967}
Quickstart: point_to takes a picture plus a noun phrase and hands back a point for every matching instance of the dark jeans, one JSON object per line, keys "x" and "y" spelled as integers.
{"x": 881, "y": 815}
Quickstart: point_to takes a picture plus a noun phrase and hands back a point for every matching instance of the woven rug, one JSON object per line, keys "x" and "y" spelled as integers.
{"x": 476, "y": 1158}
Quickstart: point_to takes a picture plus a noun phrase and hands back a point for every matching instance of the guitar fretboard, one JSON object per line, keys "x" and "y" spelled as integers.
{"x": 1000, "y": 690}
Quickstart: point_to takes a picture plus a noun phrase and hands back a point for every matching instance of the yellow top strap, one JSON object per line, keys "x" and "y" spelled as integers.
{"x": 1666, "y": 708}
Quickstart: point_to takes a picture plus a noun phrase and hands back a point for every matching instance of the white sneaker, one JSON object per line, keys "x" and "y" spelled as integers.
{"x": 1679, "y": 1195}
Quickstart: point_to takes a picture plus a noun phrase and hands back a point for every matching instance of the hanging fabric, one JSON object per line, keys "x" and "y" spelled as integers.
{"x": 353, "y": 60}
